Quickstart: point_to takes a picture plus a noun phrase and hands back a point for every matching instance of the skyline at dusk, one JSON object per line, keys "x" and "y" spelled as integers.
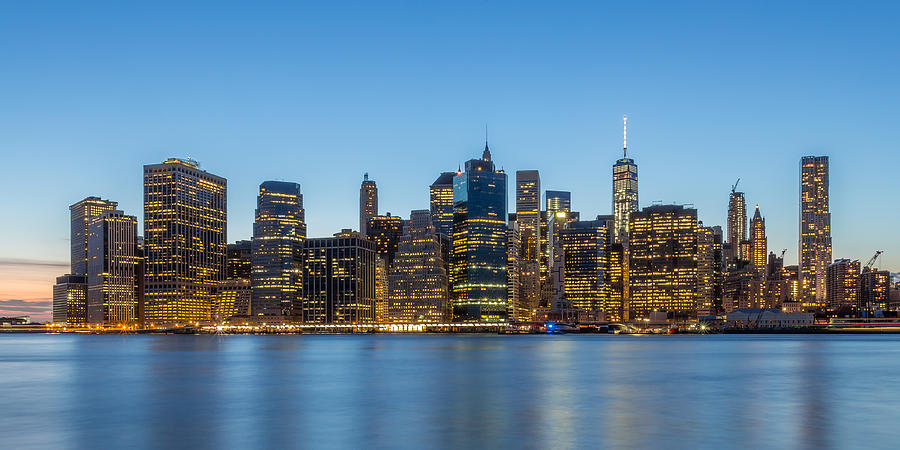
{"x": 403, "y": 92}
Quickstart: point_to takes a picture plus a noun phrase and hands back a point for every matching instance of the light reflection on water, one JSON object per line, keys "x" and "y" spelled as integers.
{"x": 449, "y": 391}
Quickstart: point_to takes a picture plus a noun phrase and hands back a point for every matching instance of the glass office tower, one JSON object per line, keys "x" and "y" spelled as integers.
{"x": 478, "y": 259}
{"x": 277, "y": 251}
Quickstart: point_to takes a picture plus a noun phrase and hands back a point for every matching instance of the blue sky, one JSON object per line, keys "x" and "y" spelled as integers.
{"x": 319, "y": 93}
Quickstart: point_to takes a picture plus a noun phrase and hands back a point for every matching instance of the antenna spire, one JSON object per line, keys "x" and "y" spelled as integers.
{"x": 624, "y": 135}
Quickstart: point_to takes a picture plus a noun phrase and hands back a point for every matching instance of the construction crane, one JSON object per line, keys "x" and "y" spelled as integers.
{"x": 872, "y": 259}
{"x": 783, "y": 251}
{"x": 734, "y": 186}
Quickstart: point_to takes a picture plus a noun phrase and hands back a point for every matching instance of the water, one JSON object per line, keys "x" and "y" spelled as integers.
{"x": 449, "y": 391}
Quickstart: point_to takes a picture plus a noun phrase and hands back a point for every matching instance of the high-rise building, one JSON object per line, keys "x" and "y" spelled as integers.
{"x": 736, "y": 226}
{"x": 238, "y": 260}
{"x": 70, "y": 300}
{"x": 441, "y": 194}
{"x": 368, "y": 203}
{"x": 842, "y": 277}
{"x": 663, "y": 261}
{"x": 585, "y": 263}
{"x": 615, "y": 282}
{"x": 339, "y": 279}
{"x": 758, "y": 242}
{"x": 874, "y": 289}
{"x": 382, "y": 292}
{"x": 558, "y": 201}
{"x": 625, "y": 190}
{"x": 112, "y": 283}
{"x": 279, "y": 232}
{"x": 517, "y": 308}
{"x": 385, "y": 231}
{"x": 185, "y": 218}
{"x": 528, "y": 217}
{"x": 815, "y": 230}
{"x": 706, "y": 269}
{"x": 81, "y": 215}
{"x": 418, "y": 281}
{"x": 478, "y": 259}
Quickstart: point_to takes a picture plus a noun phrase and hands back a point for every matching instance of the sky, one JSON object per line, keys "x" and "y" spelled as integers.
{"x": 321, "y": 92}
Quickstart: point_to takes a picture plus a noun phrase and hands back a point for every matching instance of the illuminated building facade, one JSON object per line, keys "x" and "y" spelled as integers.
{"x": 874, "y": 290}
{"x": 70, "y": 300}
{"x": 386, "y": 231}
{"x": 584, "y": 246}
{"x": 368, "y": 203}
{"x": 558, "y": 201}
{"x": 113, "y": 261}
{"x": 382, "y": 291}
{"x": 238, "y": 260}
{"x": 842, "y": 277}
{"x": 418, "y": 280}
{"x": 706, "y": 270}
{"x": 614, "y": 306}
{"x": 478, "y": 253}
{"x": 517, "y": 310}
{"x": 758, "y": 242}
{"x": 233, "y": 298}
{"x": 552, "y": 224}
{"x": 279, "y": 232}
{"x": 737, "y": 226}
{"x": 663, "y": 268}
{"x": 81, "y": 214}
{"x": 815, "y": 230}
{"x": 441, "y": 199}
{"x": 339, "y": 279}
{"x": 625, "y": 192}
{"x": 528, "y": 218}
{"x": 185, "y": 219}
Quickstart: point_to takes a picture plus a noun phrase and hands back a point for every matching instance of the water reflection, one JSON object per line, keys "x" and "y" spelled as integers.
{"x": 447, "y": 391}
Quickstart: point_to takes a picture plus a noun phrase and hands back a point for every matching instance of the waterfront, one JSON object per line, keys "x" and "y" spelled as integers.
{"x": 449, "y": 391}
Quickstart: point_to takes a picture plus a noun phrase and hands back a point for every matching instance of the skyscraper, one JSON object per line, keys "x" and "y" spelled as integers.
{"x": 385, "y": 231}
{"x": 185, "y": 215}
{"x": 758, "y": 241}
{"x": 516, "y": 306}
{"x": 664, "y": 254}
{"x": 478, "y": 258}
{"x": 368, "y": 203}
{"x": 843, "y": 283}
{"x": 279, "y": 232}
{"x": 815, "y": 230}
{"x": 584, "y": 245}
{"x": 418, "y": 281}
{"x": 112, "y": 278}
{"x": 339, "y": 279}
{"x": 81, "y": 214}
{"x": 558, "y": 201}
{"x": 625, "y": 189}
{"x": 528, "y": 217}
{"x": 736, "y": 225}
{"x": 441, "y": 196}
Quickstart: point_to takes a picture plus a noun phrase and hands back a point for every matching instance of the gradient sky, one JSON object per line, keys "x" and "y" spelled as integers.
{"x": 319, "y": 93}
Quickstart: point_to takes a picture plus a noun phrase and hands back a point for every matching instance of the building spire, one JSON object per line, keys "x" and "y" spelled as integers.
{"x": 487, "y": 151}
{"x": 624, "y": 136}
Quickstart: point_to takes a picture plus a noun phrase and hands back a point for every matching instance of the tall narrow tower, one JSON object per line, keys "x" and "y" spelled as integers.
{"x": 528, "y": 215}
{"x": 368, "y": 203}
{"x": 737, "y": 223}
{"x": 758, "y": 241}
{"x": 815, "y": 230}
{"x": 625, "y": 188}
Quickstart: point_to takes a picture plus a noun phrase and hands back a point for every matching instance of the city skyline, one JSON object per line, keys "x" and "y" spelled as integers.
{"x": 742, "y": 104}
